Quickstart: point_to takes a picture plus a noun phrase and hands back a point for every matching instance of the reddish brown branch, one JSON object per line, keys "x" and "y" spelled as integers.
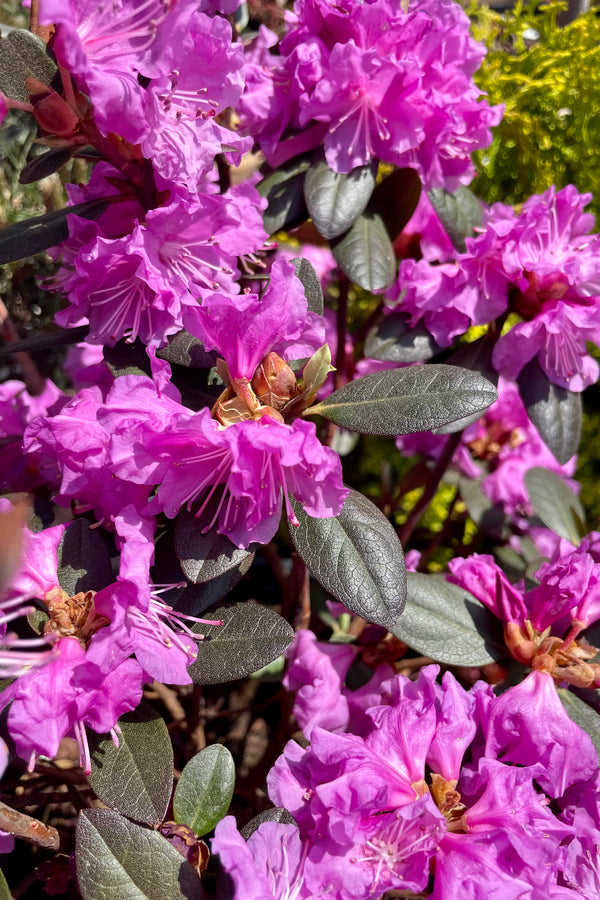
{"x": 28, "y": 829}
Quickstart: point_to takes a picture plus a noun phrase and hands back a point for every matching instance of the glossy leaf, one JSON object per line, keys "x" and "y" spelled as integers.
{"x": 311, "y": 284}
{"x": 251, "y": 637}
{"x": 284, "y": 191}
{"x": 448, "y": 624}
{"x": 83, "y": 559}
{"x": 334, "y": 200}
{"x": 365, "y": 253}
{"x": 583, "y": 715}
{"x": 555, "y": 411}
{"x": 460, "y": 213}
{"x": 396, "y": 199}
{"x": 23, "y": 239}
{"x": 205, "y": 789}
{"x": 118, "y": 860}
{"x": 555, "y": 504}
{"x": 23, "y": 55}
{"x": 403, "y": 401}
{"x": 357, "y": 557}
{"x": 204, "y": 555}
{"x": 391, "y": 340}
{"x": 135, "y": 778}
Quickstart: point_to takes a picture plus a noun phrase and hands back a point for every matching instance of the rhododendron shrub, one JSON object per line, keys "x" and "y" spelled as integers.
{"x": 267, "y": 249}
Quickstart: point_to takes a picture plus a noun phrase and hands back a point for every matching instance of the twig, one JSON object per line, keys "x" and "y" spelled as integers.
{"x": 31, "y": 830}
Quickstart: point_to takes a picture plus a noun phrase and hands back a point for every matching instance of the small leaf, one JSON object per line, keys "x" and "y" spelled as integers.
{"x": 46, "y": 164}
{"x": 402, "y": 401}
{"x": 357, "y": 557}
{"x": 205, "y": 789}
{"x": 196, "y": 598}
{"x": 118, "y": 860}
{"x": 204, "y": 555}
{"x": 460, "y": 213}
{"x": 251, "y": 637}
{"x": 391, "y": 340}
{"x": 396, "y": 199}
{"x": 277, "y": 814}
{"x": 125, "y": 358}
{"x": 583, "y": 715}
{"x": 487, "y": 515}
{"x": 448, "y": 624}
{"x": 555, "y": 504}
{"x": 23, "y": 55}
{"x": 23, "y": 239}
{"x": 476, "y": 356}
{"x": 365, "y": 253}
{"x": 555, "y": 411}
{"x": 284, "y": 191}
{"x": 45, "y": 339}
{"x": 186, "y": 350}
{"x": 311, "y": 284}
{"x": 136, "y": 778}
{"x": 83, "y": 559}
{"x": 334, "y": 200}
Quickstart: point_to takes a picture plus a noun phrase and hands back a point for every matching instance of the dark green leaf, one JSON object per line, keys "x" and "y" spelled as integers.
{"x": 391, "y": 340}
{"x": 251, "y": 637}
{"x": 487, "y": 515}
{"x": 126, "y": 358}
{"x": 460, "y": 213}
{"x": 46, "y": 339}
{"x": 448, "y": 624}
{"x": 357, "y": 557}
{"x": 583, "y": 715}
{"x": 26, "y": 238}
{"x": 555, "y": 411}
{"x": 402, "y": 401}
{"x": 204, "y": 555}
{"x": 555, "y": 504}
{"x": 334, "y": 200}
{"x": 284, "y": 191}
{"x": 476, "y": 356}
{"x": 277, "y": 814}
{"x": 195, "y": 598}
{"x": 311, "y": 284}
{"x": 5, "y": 893}
{"x": 205, "y": 789}
{"x": 118, "y": 860}
{"x": 83, "y": 559}
{"x": 46, "y": 164}
{"x": 365, "y": 253}
{"x": 186, "y": 350}
{"x": 135, "y": 778}
{"x": 396, "y": 199}
{"x": 23, "y": 55}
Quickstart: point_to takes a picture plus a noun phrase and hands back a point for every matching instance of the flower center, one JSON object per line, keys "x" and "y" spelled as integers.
{"x": 73, "y": 616}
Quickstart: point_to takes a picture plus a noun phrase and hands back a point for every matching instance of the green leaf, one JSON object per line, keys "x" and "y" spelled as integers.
{"x": 334, "y": 200}
{"x": 402, "y": 401}
{"x": 396, "y": 199}
{"x": 356, "y": 556}
{"x": 487, "y": 515}
{"x": 284, "y": 191}
{"x": 205, "y": 789}
{"x": 583, "y": 715}
{"x": 204, "y": 555}
{"x": 311, "y": 284}
{"x": 5, "y": 893}
{"x": 555, "y": 411}
{"x": 23, "y": 55}
{"x": 195, "y": 598}
{"x": 136, "y": 778}
{"x": 448, "y": 624}
{"x": 83, "y": 559}
{"x": 555, "y": 504}
{"x": 46, "y": 339}
{"x": 118, "y": 860}
{"x": 46, "y": 164}
{"x": 365, "y": 253}
{"x": 391, "y": 340}
{"x": 251, "y": 637}
{"x": 277, "y": 814}
{"x": 460, "y": 213}
{"x": 23, "y": 239}
{"x": 186, "y": 350}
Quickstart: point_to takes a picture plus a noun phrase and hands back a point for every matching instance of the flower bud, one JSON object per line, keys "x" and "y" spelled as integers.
{"x": 274, "y": 382}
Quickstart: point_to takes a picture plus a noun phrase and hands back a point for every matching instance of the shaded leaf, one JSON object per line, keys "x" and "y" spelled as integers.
{"x": 448, "y": 624}
{"x": 583, "y": 715}
{"x": 186, "y": 350}
{"x": 555, "y": 411}
{"x": 277, "y": 814}
{"x": 204, "y": 555}
{"x": 46, "y": 339}
{"x": 555, "y": 504}
{"x": 402, "y": 401}
{"x": 485, "y": 513}
{"x": 46, "y": 164}
{"x": 23, "y": 55}
{"x": 205, "y": 789}
{"x": 83, "y": 559}
{"x": 311, "y": 284}
{"x": 460, "y": 213}
{"x": 196, "y": 598}
{"x": 334, "y": 200}
{"x": 251, "y": 637}
{"x": 5, "y": 893}
{"x": 118, "y": 860}
{"x": 396, "y": 199}
{"x": 135, "y": 778}
{"x": 22, "y": 239}
{"x": 365, "y": 253}
{"x": 284, "y": 192}
{"x": 356, "y": 556}
{"x": 391, "y": 340}
{"x": 126, "y": 358}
